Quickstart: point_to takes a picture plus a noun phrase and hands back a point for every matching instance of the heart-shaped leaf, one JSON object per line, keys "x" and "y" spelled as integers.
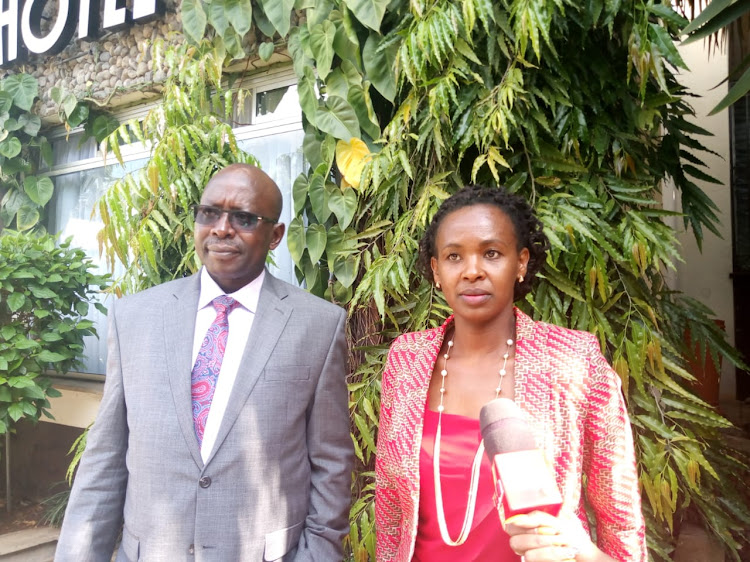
{"x": 39, "y": 189}
{"x": 319, "y": 198}
{"x": 379, "y": 65}
{"x": 345, "y": 269}
{"x": 10, "y": 147}
{"x": 217, "y": 16}
{"x": 279, "y": 13}
{"x": 33, "y": 125}
{"x": 22, "y": 88}
{"x": 316, "y": 241}
{"x": 351, "y": 158}
{"x": 338, "y": 118}
{"x": 194, "y": 19}
{"x": 343, "y": 205}
{"x": 360, "y": 100}
{"x": 295, "y": 239}
{"x": 321, "y": 44}
{"x": 265, "y": 50}
{"x": 26, "y": 217}
{"x": 240, "y": 15}
{"x": 308, "y": 98}
{"x": 369, "y": 12}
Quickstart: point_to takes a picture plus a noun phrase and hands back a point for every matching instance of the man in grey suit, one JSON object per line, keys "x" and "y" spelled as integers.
{"x": 266, "y": 472}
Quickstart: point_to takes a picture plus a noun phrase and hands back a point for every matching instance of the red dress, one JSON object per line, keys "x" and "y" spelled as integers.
{"x": 459, "y": 440}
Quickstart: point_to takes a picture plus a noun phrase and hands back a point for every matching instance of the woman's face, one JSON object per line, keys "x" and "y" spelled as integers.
{"x": 477, "y": 261}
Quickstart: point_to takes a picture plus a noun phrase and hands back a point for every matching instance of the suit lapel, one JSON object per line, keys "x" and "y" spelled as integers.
{"x": 179, "y": 328}
{"x": 270, "y": 319}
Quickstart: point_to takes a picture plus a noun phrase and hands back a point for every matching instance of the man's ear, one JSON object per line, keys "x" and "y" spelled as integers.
{"x": 277, "y": 235}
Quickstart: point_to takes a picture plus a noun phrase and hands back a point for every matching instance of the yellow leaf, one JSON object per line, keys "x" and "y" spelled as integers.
{"x": 351, "y": 158}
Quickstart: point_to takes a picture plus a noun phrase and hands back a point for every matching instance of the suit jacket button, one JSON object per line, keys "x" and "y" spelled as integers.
{"x": 204, "y": 482}
{"x": 191, "y": 549}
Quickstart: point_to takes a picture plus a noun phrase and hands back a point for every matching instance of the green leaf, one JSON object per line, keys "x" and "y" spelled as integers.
{"x": 319, "y": 198}
{"x": 738, "y": 91}
{"x": 39, "y": 189}
{"x": 316, "y": 241}
{"x": 299, "y": 193}
{"x": 193, "y": 19}
{"x": 42, "y": 292}
{"x": 233, "y": 44}
{"x": 308, "y": 99}
{"x": 69, "y": 103}
{"x": 217, "y": 16}
{"x": 21, "y": 382}
{"x": 368, "y": 12}
{"x": 15, "y": 301}
{"x": 27, "y": 217}
{"x": 265, "y": 50}
{"x": 25, "y": 343}
{"x": 379, "y": 64}
{"x": 321, "y": 44}
{"x": 51, "y": 356}
{"x": 79, "y": 115}
{"x": 345, "y": 269}
{"x": 279, "y": 13}
{"x": 240, "y": 15}
{"x": 295, "y": 239}
{"x": 6, "y": 102}
{"x": 22, "y": 88}
{"x": 343, "y": 205}
{"x": 15, "y": 411}
{"x": 103, "y": 126}
{"x": 338, "y": 118}
{"x": 33, "y": 392}
{"x": 33, "y": 125}
{"x": 365, "y": 114}
{"x": 10, "y": 147}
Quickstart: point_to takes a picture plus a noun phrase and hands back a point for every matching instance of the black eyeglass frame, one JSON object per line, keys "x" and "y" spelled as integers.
{"x": 233, "y": 215}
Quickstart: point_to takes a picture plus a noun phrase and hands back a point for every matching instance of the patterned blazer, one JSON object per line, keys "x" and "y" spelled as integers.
{"x": 572, "y": 399}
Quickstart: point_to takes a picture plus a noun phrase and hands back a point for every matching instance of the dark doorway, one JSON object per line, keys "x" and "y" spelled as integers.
{"x": 739, "y": 131}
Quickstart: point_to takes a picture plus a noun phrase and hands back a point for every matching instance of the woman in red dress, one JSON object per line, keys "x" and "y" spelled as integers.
{"x": 434, "y": 487}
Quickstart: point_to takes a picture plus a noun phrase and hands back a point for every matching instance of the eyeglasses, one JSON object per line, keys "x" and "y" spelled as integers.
{"x": 240, "y": 220}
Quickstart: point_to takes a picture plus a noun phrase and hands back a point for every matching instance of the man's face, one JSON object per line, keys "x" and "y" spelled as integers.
{"x": 235, "y": 257}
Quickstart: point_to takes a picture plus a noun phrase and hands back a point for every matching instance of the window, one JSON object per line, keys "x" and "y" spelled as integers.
{"x": 269, "y": 127}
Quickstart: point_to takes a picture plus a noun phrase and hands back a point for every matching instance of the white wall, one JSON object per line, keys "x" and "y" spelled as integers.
{"x": 705, "y": 275}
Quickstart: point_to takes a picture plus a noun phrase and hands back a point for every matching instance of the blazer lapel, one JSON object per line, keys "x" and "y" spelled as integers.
{"x": 270, "y": 319}
{"x": 179, "y": 328}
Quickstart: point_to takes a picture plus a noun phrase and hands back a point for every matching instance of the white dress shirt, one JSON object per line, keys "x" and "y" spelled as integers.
{"x": 240, "y": 322}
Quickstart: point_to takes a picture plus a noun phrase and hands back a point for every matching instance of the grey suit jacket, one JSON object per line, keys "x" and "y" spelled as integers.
{"x": 277, "y": 484}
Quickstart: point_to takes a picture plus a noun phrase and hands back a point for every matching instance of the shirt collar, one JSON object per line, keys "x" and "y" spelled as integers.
{"x": 247, "y": 296}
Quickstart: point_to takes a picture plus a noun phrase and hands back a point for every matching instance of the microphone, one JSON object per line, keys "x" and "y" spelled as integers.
{"x": 524, "y": 481}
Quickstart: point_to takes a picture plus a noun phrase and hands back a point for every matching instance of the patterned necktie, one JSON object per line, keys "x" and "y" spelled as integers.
{"x": 208, "y": 363}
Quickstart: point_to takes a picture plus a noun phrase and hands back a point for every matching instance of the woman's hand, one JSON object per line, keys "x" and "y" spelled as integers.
{"x": 541, "y": 537}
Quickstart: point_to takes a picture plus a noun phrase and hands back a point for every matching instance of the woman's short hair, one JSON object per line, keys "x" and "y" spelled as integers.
{"x": 529, "y": 229}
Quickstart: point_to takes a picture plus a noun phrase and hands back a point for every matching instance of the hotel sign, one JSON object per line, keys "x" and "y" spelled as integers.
{"x": 21, "y": 30}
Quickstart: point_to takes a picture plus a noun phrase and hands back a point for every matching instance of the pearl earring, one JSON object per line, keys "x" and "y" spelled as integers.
{"x": 437, "y": 286}
{"x": 520, "y": 278}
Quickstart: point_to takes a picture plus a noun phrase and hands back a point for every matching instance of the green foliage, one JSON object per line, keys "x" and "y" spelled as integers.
{"x": 23, "y": 194}
{"x": 722, "y": 15}
{"x": 74, "y": 112}
{"x": 146, "y": 215}
{"x": 45, "y": 294}
{"x": 447, "y": 93}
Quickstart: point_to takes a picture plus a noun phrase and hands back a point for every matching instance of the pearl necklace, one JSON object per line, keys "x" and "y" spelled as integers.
{"x": 476, "y": 464}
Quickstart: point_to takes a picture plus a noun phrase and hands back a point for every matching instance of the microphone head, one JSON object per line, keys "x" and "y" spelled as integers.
{"x": 504, "y": 429}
